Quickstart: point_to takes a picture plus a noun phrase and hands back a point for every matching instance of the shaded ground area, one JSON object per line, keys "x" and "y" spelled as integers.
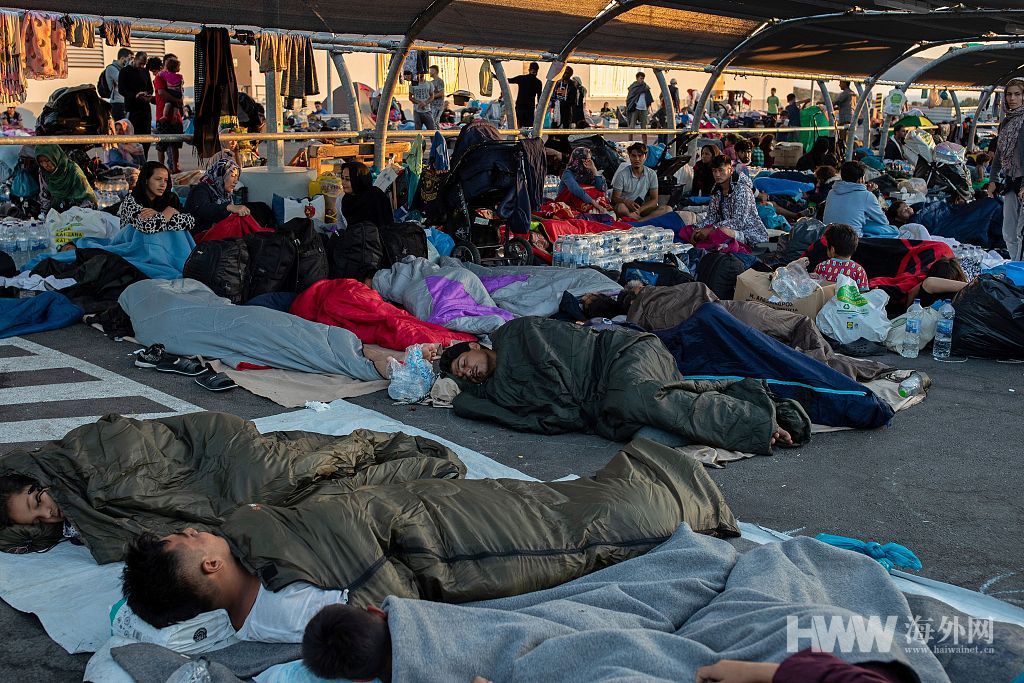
{"x": 943, "y": 480}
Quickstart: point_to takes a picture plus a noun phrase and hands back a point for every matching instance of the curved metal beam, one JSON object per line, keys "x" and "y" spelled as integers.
{"x": 863, "y": 96}
{"x": 666, "y": 100}
{"x": 826, "y": 99}
{"x": 387, "y": 91}
{"x": 959, "y": 115}
{"x": 351, "y": 103}
{"x": 506, "y": 93}
{"x": 953, "y": 54}
{"x": 973, "y": 130}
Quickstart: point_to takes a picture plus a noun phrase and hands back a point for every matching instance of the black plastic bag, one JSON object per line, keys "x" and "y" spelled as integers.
{"x": 989, "y": 319}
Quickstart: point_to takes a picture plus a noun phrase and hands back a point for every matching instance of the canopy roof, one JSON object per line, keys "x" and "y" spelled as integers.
{"x": 991, "y": 65}
{"x": 796, "y": 37}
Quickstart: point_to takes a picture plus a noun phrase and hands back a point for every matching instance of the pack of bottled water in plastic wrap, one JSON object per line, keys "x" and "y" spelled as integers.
{"x": 609, "y": 250}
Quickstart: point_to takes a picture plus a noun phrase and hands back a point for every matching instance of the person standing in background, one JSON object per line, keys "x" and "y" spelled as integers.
{"x": 437, "y": 87}
{"x": 421, "y": 94}
{"x": 638, "y": 102}
{"x": 844, "y": 103}
{"x": 673, "y": 91}
{"x": 772, "y": 108}
{"x": 136, "y": 88}
{"x": 111, "y": 75}
{"x": 1008, "y": 162}
{"x": 529, "y": 92}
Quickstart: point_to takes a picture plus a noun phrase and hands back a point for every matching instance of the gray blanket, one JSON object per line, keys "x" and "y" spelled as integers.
{"x": 686, "y": 604}
{"x": 189, "y": 319}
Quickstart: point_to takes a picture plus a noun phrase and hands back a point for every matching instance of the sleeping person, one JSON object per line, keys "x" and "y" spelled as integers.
{"x": 272, "y": 568}
{"x": 106, "y": 482}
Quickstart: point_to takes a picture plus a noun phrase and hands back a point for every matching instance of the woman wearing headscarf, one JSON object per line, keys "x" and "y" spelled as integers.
{"x": 209, "y": 200}
{"x": 703, "y": 179}
{"x": 362, "y": 201}
{"x": 125, "y": 153}
{"x": 1009, "y": 163}
{"x": 153, "y": 206}
{"x": 63, "y": 184}
{"x": 582, "y": 187}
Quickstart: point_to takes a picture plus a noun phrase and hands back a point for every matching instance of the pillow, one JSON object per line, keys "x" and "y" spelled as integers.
{"x": 287, "y": 208}
{"x": 203, "y": 633}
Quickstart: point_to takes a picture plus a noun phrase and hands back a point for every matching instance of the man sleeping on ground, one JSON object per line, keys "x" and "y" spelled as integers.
{"x": 553, "y": 377}
{"x": 661, "y": 308}
{"x": 106, "y": 482}
{"x": 272, "y": 568}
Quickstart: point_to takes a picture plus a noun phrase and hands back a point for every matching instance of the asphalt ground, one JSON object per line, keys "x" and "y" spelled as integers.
{"x": 944, "y": 479}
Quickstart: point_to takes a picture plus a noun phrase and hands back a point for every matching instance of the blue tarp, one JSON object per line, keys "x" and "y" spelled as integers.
{"x": 712, "y": 344}
{"x": 45, "y": 311}
{"x": 158, "y": 255}
{"x": 782, "y": 186}
{"x": 979, "y": 222}
{"x": 1013, "y": 270}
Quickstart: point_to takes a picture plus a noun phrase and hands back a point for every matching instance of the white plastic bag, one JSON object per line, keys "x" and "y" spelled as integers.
{"x": 80, "y": 222}
{"x": 851, "y": 315}
{"x": 412, "y": 380}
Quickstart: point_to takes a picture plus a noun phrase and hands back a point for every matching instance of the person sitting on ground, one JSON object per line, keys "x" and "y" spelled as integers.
{"x": 273, "y": 568}
{"x": 582, "y": 186}
{"x": 822, "y": 154}
{"x": 943, "y": 280}
{"x": 729, "y": 146}
{"x": 447, "y": 114}
{"x": 11, "y": 118}
{"x": 894, "y": 147}
{"x": 851, "y": 202}
{"x": 744, "y": 155}
{"x": 842, "y": 242}
{"x": 635, "y": 187}
{"x": 107, "y": 481}
{"x": 362, "y": 200}
{"x": 732, "y": 216}
{"x": 551, "y": 377}
{"x": 980, "y": 169}
{"x": 126, "y": 153}
{"x": 703, "y": 178}
{"x": 211, "y": 199}
{"x": 62, "y": 182}
{"x": 824, "y": 178}
{"x": 153, "y": 206}
{"x": 899, "y": 213}
{"x": 767, "y": 147}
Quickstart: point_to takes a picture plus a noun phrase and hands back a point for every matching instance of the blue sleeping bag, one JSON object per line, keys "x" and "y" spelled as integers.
{"x": 44, "y": 311}
{"x": 979, "y": 222}
{"x": 712, "y": 344}
{"x": 159, "y": 255}
{"x": 772, "y": 185}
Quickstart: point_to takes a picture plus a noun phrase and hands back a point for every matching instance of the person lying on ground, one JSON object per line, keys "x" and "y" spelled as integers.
{"x": 582, "y": 185}
{"x": 153, "y": 206}
{"x": 685, "y": 611}
{"x": 272, "y": 568}
{"x": 842, "y": 244}
{"x": 851, "y": 202}
{"x": 944, "y": 279}
{"x": 552, "y": 377}
{"x": 62, "y": 183}
{"x": 899, "y": 213}
{"x": 732, "y": 213}
{"x": 662, "y": 308}
{"x": 105, "y": 482}
{"x": 635, "y": 187}
{"x": 211, "y": 199}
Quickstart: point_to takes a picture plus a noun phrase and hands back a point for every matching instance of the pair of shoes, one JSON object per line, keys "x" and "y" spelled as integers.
{"x": 157, "y": 358}
{"x": 214, "y": 381}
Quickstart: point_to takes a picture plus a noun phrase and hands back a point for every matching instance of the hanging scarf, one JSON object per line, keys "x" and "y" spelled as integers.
{"x": 66, "y": 182}
{"x": 216, "y": 90}
{"x": 1009, "y": 136}
{"x": 215, "y": 175}
{"x": 578, "y": 165}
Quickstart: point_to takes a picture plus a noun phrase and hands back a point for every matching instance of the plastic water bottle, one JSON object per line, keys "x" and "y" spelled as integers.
{"x": 8, "y": 244}
{"x": 911, "y": 386}
{"x": 912, "y": 338}
{"x": 944, "y": 332}
{"x": 557, "y": 255}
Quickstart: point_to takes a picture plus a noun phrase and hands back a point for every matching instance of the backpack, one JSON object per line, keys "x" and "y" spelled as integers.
{"x": 653, "y": 273}
{"x": 271, "y": 263}
{"x": 103, "y": 85}
{"x": 310, "y": 254}
{"x": 221, "y": 265}
{"x": 403, "y": 239}
{"x": 355, "y": 250}
{"x": 719, "y": 270}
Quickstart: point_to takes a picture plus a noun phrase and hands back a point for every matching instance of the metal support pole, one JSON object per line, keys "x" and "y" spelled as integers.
{"x": 959, "y": 130}
{"x": 702, "y": 102}
{"x": 387, "y": 92}
{"x": 506, "y": 93}
{"x": 983, "y": 99}
{"x": 329, "y": 100}
{"x": 863, "y": 95}
{"x": 666, "y": 99}
{"x": 275, "y": 124}
{"x": 355, "y": 119}
{"x": 554, "y": 73}
{"x": 826, "y": 98}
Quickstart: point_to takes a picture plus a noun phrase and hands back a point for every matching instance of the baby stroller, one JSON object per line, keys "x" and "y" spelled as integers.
{"x": 75, "y": 110}
{"x": 947, "y": 170}
{"x": 487, "y": 199}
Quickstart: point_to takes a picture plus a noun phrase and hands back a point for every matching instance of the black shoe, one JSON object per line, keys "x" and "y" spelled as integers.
{"x": 152, "y": 356}
{"x": 215, "y": 381}
{"x": 189, "y": 367}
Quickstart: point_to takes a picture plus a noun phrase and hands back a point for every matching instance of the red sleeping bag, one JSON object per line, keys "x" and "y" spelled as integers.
{"x": 553, "y": 229}
{"x": 353, "y": 306}
{"x": 232, "y": 226}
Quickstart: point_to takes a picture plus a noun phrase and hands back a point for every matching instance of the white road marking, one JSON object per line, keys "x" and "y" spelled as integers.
{"x": 109, "y": 385}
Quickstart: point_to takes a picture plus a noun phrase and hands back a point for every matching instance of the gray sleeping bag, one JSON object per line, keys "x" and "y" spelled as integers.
{"x": 189, "y": 319}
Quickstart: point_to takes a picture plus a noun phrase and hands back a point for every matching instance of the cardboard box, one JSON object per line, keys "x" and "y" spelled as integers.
{"x": 786, "y": 154}
{"x": 752, "y": 285}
